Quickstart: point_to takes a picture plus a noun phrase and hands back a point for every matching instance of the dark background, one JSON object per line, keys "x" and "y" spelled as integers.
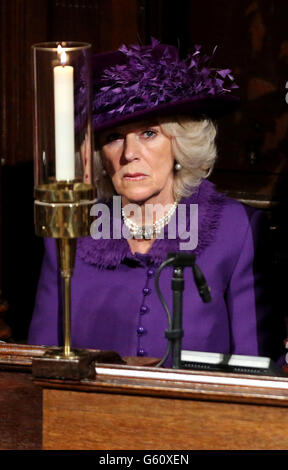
{"x": 252, "y": 39}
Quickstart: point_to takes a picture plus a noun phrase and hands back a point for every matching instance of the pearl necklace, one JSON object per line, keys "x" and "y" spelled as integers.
{"x": 148, "y": 232}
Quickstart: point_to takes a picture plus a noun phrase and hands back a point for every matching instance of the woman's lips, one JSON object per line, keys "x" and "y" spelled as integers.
{"x": 134, "y": 176}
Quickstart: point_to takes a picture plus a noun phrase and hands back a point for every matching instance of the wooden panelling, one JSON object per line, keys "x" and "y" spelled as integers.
{"x": 20, "y": 412}
{"x": 138, "y": 407}
{"x": 22, "y": 24}
{"x": 252, "y": 40}
{"x": 121, "y": 421}
{"x": 106, "y": 24}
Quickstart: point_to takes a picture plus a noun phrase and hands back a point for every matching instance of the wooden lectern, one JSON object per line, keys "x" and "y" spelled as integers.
{"x": 138, "y": 406}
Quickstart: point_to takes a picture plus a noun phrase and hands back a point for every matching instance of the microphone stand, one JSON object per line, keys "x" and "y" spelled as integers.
{"x": 175, "y": 332}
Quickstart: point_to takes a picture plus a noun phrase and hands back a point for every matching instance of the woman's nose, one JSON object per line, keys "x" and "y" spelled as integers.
{"x": 131, "y": 147}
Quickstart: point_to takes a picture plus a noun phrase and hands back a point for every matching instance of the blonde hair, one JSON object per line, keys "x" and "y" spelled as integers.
{"x": 193, "y": 145}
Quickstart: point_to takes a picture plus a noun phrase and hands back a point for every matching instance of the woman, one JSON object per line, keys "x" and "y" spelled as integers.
{"x": 155, "y": 138}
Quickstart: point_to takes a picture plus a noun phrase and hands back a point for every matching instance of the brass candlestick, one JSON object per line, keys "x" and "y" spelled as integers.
{"x": 63, "y": 148}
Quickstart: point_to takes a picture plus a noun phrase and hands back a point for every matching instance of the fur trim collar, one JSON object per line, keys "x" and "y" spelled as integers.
{"x": 109, "y": 254}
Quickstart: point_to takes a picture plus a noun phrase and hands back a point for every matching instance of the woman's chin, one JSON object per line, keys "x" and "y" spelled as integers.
{"x": 138, "y": 197}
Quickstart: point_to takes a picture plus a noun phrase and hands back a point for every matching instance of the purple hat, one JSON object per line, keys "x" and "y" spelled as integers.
{"x": 141, "y": 82}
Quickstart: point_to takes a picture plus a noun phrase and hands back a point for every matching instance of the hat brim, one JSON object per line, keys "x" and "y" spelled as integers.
{"x": 198, "y": 106}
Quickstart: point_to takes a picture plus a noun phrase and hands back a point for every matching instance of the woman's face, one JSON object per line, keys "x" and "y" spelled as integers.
{"x": 139, "y": 160}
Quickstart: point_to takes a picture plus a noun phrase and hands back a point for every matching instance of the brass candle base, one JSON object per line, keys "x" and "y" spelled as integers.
{"x": 57, "y": 365}
{"x": 80, "y": 364}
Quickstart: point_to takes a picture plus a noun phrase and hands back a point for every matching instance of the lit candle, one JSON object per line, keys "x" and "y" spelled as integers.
{"x": 64, "y": 119}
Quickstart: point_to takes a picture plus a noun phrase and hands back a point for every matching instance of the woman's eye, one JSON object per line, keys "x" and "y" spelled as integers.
{"x": 149, "y": 133}
{"x": 112, "y": 137}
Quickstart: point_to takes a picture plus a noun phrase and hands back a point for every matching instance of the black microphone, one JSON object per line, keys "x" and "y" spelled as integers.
{"x": 188, "y": 259}
{"x": 202, "y": 286}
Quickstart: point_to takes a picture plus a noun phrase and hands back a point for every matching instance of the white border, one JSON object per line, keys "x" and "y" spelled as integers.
{"x": 172, "y": 376}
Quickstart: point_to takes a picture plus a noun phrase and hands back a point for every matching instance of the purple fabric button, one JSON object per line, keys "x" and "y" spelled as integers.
{"x": 146, "y": 291}
{"x": 141, "y": 330}
{"x": 144, "y": 309}
{"x": 141, "y": 352}
{"x": 150, "y": 272}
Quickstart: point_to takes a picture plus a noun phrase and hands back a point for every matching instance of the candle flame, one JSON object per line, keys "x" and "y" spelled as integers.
{"x": 63, "y": 56}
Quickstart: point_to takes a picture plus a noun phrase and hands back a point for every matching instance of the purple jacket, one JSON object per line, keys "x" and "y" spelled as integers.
{"x": 115, "y": 305}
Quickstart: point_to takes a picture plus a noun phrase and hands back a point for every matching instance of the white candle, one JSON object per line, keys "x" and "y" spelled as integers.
{"x": 64, "y": 120}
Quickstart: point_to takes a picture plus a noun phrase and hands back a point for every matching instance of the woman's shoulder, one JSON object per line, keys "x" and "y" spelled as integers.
{"x": 236, "y": 212}
{"x": 226, "y": 218}
{"x": 241, "y": 217}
